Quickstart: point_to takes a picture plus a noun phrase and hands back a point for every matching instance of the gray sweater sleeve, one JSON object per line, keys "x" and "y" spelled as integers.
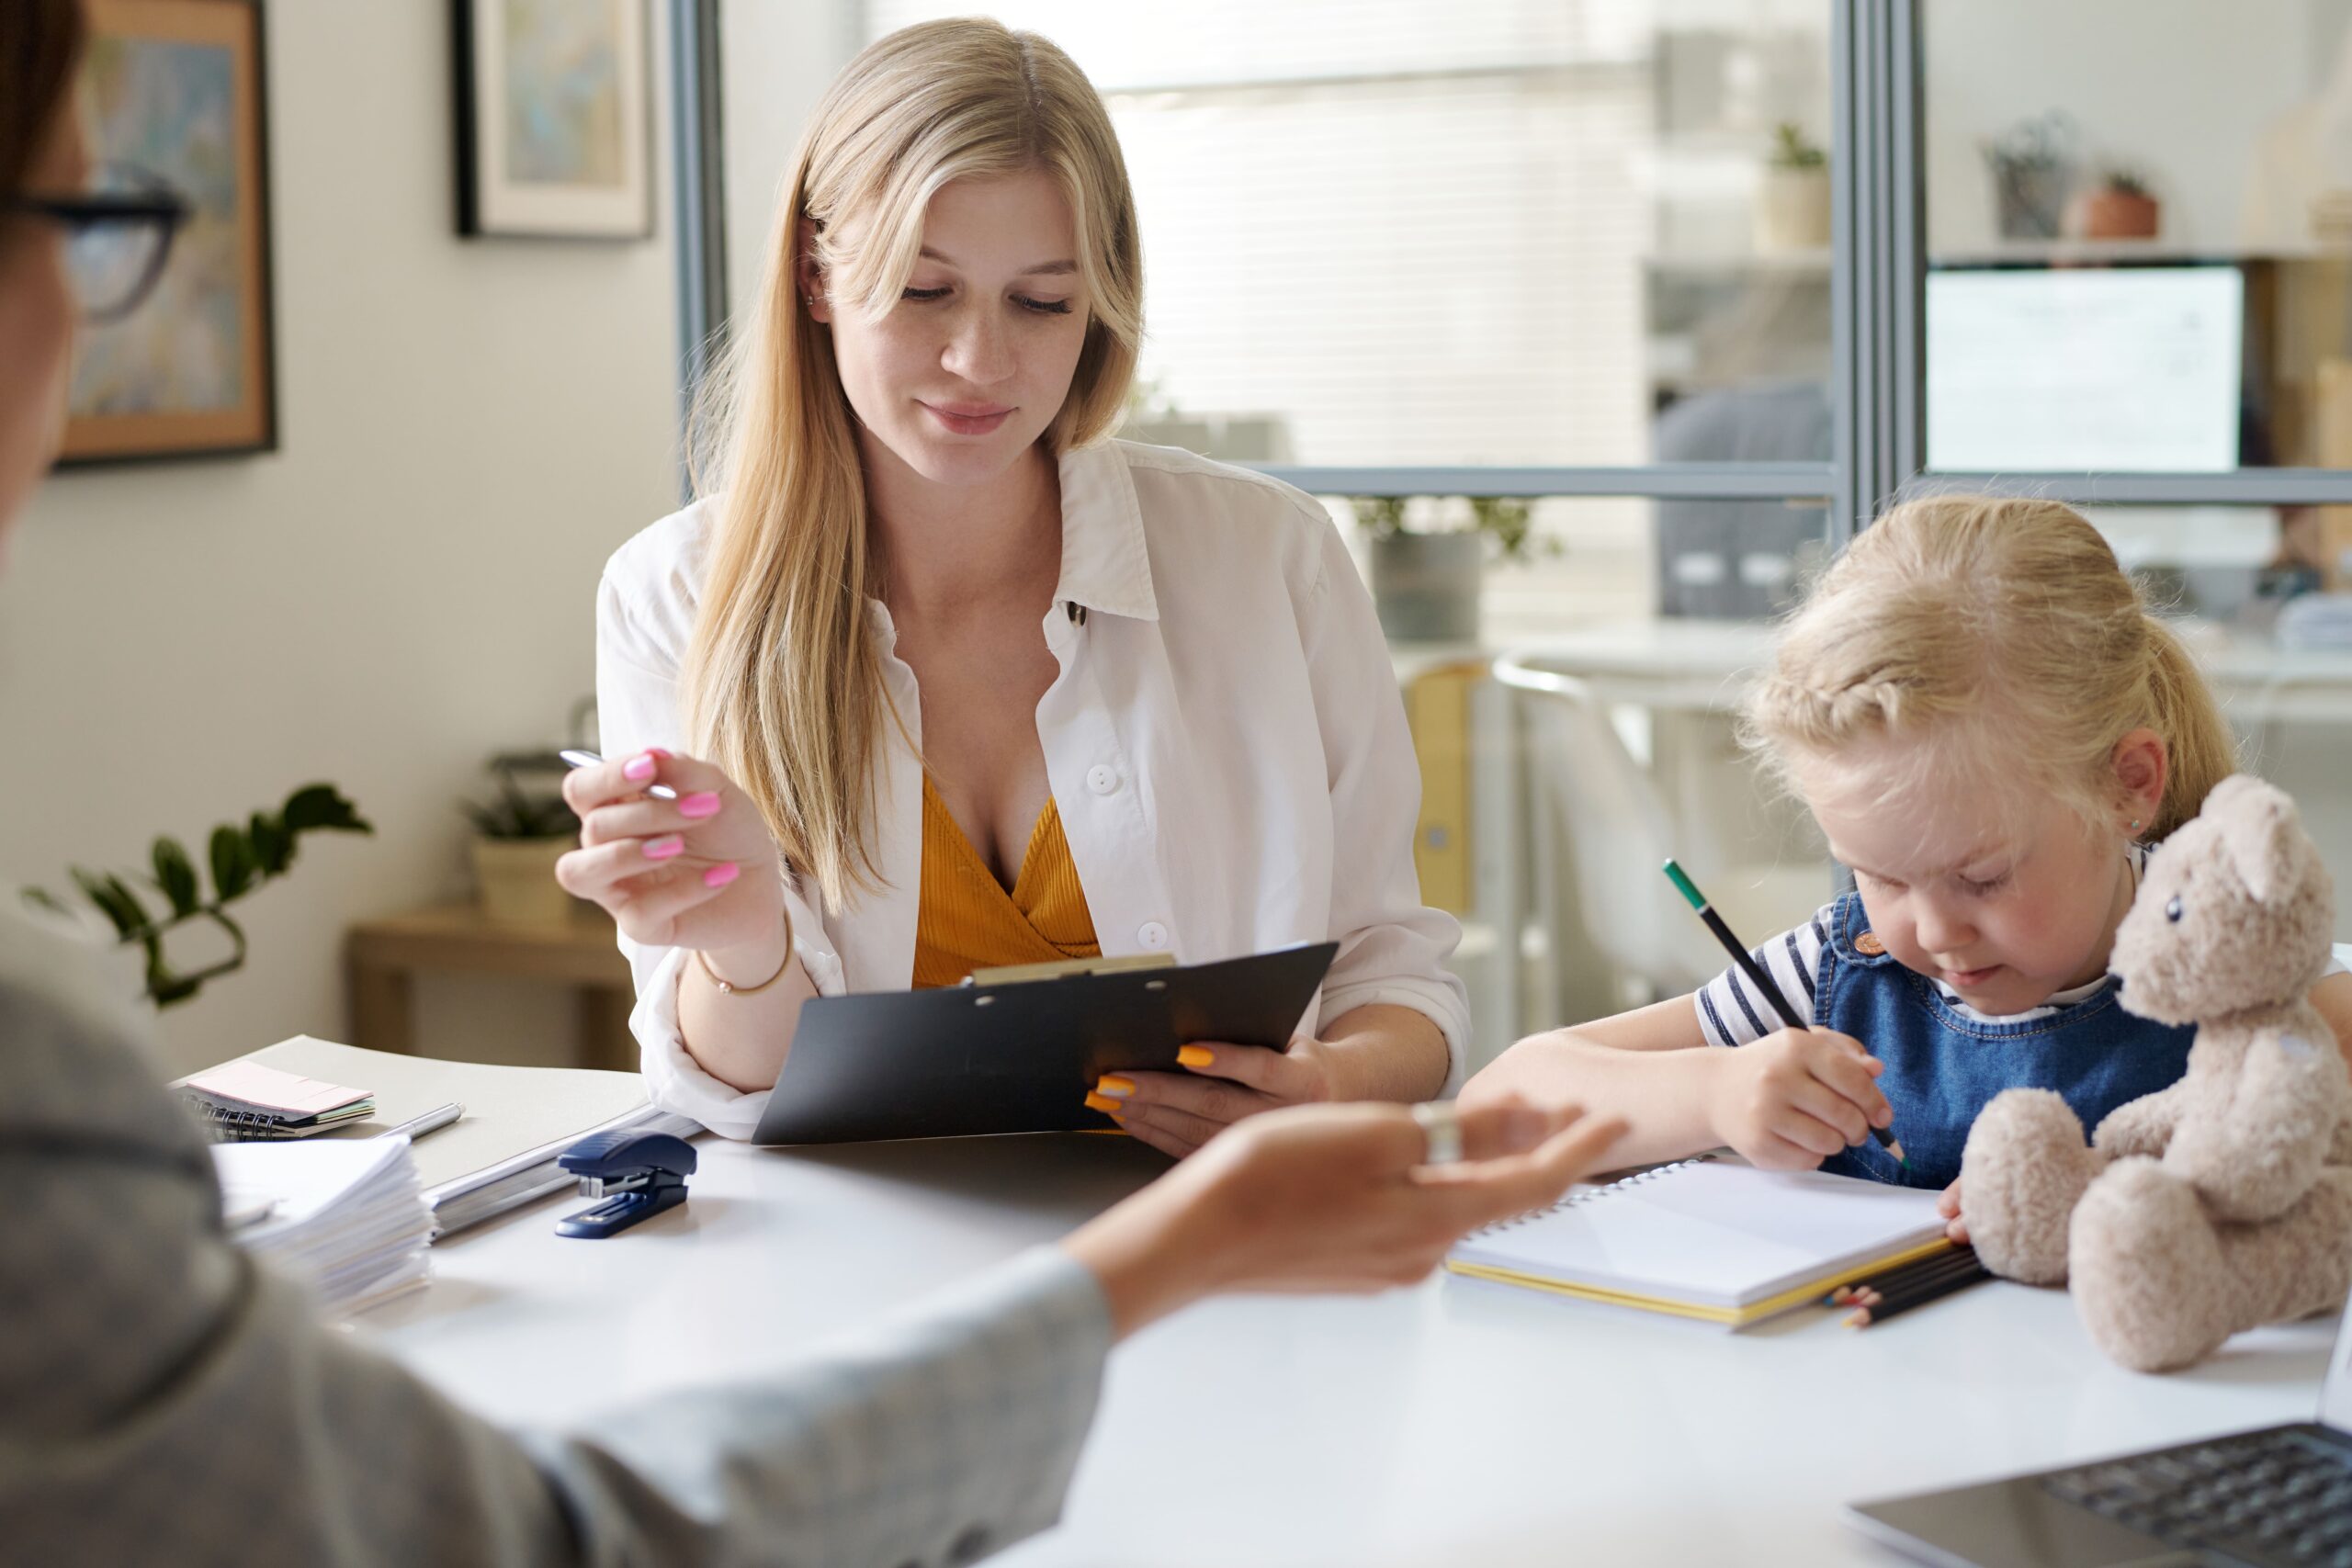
{"x": 163, "y": 1400}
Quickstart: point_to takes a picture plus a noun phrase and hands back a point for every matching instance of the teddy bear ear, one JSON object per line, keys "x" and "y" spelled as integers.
{"x": 2260, "y": 834}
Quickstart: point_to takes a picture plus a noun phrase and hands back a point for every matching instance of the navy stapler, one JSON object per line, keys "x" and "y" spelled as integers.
{"x": 637, "y": 1175}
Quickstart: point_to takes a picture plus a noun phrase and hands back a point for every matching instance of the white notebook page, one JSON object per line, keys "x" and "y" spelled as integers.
{"x": 1711, "y": 1232}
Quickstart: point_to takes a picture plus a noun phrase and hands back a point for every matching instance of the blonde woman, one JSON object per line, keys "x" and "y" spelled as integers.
{"x": 1991, "y": 729}
{"x": 945, "y": 678}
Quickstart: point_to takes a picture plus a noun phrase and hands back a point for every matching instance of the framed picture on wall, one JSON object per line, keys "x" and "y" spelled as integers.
{"x": 554, "y": 119}
{"x": 172, "y": 92}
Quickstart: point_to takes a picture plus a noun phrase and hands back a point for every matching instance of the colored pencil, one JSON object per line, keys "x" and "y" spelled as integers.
{"x": 1904, "y": 1274}
{"x": 1762, "y": 981}
{"x": 1905, "y": 1281}
{"x": 1881, "y": 1311}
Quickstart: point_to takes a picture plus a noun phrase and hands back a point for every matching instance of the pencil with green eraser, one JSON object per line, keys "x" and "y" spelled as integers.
{"x": 1764, "y": 983}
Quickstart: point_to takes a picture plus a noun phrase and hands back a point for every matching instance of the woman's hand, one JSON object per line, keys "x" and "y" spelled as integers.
{"x": 1791, "y": 1100}
{"x": 699, "y": 871}
{"x": 1328, "y": 1198}
{"x": 1178, "y": 1112}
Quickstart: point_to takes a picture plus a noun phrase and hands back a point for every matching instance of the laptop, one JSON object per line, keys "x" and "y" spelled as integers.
{"x": 2278, "y": 1496}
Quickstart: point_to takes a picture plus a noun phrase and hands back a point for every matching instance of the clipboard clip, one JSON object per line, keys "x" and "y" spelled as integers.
{"x": 637, "y": 1175}
{"x": 1062, "y": 969}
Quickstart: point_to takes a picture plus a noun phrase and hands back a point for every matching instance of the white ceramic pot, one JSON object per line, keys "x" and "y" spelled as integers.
{"x": 1793, "y": 210}
{"x": 517, "y": 881}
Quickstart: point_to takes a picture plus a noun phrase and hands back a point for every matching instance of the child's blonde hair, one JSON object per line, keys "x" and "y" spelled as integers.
{"x": 782, "y": 686}
{"x": 2006, "y": 625}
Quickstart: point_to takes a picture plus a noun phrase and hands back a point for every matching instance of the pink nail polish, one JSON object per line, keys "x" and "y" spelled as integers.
{"x": 722, "y": 874}
{"x": 640, "y": 768}
{"x": 664, "y": 849}
{"x": 695, "y": 806}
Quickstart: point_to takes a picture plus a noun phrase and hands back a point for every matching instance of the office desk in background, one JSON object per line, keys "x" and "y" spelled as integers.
{"x": 1452, "y": 1424}
{"x": 382, "y": 958}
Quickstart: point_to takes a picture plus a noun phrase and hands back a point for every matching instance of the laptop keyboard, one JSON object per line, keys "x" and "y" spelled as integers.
{"x": 2266, "y": 1497}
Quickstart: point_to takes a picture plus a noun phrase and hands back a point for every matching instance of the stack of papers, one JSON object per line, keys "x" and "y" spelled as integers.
{"x": 348, "y": 1217}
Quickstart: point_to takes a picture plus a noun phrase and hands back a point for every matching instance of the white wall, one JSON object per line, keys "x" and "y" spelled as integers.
{"x": 468, "y": 429}
{"x": 778, "y": 57}
{"x": 2183, "y": 89}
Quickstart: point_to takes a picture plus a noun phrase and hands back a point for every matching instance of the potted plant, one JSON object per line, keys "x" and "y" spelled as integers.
{"x": 241, "y": 857}
{"x": 2117, "y": 205}
{"x": 2032, "y": 165}
{"x": 1425, "y": 580}
{"x": 1793, "y": 202}
{"x": 517, "y": 839}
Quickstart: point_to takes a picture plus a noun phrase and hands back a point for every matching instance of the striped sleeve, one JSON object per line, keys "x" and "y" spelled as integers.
{"x": 1733, "y": 1012}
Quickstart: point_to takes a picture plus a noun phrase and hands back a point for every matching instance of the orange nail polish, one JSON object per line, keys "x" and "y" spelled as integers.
{"x": 1195, "y": 1056}
{"x": 1115, "y": 1086}
{"x": 1096, "y": 1102}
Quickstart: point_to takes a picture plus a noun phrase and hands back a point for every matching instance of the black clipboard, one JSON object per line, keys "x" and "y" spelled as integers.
{"x": 974, "y": 1059}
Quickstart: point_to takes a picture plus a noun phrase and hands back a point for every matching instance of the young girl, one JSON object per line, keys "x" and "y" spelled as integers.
{"x": 1991, "y": 731}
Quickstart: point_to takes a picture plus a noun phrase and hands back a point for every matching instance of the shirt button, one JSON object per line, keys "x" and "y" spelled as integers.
{"x": 1101, "y": 779}
{"x": 1153, "y": 935}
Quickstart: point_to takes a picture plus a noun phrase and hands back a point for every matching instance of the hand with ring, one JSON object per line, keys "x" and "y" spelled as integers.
{"x": 1352, "y": 1197}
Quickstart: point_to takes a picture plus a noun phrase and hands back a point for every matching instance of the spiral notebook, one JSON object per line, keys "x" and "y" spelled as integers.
{"x": 1708, "y": 1238}
{"x": 245, "y": 1099}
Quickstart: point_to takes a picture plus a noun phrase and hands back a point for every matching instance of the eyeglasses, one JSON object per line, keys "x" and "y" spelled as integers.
{"x": 117, "y": 237}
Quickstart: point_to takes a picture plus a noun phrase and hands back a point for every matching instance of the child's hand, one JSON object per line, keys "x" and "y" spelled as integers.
{"x": 1791, "y": 1100}
{"x": 1948, "y": 1205}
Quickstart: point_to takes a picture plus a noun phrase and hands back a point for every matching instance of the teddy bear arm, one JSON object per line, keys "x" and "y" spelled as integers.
{"x": 2142, "y": 1126}
{"x": 2256, "y": 1146}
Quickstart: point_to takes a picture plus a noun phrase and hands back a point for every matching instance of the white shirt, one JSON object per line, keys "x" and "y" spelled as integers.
{"x": 1226, "y": 743}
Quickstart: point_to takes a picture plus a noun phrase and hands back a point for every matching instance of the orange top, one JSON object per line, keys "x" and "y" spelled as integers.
{"x": 965, "y": 921}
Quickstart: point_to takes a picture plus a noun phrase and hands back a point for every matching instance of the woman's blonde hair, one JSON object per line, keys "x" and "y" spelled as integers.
{"x": 2006, "y": 628}
{"x": 783, "y": 687}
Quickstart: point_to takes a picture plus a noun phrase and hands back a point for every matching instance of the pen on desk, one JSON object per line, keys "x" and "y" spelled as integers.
{"x": 589, "y": 759}
{"x": 431, "y": 1122}
{"x": 1764, "y": 983}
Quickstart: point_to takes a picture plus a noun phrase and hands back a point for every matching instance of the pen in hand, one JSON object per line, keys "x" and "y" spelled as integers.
{"x": 589, "y": 759}
{"x": 1764, "y": 983}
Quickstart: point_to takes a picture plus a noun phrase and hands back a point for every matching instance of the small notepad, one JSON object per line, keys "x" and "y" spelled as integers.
{"x": 1708, "y": 1238}
{"x": 245, "y": 1099}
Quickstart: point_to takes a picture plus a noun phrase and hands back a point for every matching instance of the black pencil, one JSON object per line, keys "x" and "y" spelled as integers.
{"x": 1903, "y": 1274}
{"x": 1941, "y": 1288}
{"x": 1902, "y": 1281}
{"x": 1763, "y": 982}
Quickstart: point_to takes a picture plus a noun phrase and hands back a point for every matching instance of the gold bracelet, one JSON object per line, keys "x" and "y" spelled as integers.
{"x": 729, "y": 987}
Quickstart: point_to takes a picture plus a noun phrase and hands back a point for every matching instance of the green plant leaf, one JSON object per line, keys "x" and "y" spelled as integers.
{"x": 175, "y": 874}
{"x": 165, "y": 990}
{"x": 322, "y": 805}
{"x": 117, "y": 903}
{"x": 273, "y": 846}
{"x": 232, "y": 854}
{"x": 49, "y": 903}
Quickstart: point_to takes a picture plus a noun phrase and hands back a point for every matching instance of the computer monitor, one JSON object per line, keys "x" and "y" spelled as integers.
{"x": 2130, "y": 369}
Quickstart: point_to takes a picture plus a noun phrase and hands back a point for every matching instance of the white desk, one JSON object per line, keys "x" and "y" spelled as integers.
{"x": 1452, "y": 1424}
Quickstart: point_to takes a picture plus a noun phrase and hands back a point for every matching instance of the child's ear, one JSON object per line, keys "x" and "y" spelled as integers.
{"x": 2143, "y": 766}
{"x": 2259, "y": 833}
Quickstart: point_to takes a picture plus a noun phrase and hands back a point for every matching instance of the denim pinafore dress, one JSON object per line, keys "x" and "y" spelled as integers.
{"x": 1943, "y": 1066}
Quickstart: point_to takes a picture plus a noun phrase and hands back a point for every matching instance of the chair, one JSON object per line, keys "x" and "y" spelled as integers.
{"x": 1601, "y": 831}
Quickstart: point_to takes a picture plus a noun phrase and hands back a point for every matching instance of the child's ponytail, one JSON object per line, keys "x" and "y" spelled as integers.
{"x": 2203, "y": 751}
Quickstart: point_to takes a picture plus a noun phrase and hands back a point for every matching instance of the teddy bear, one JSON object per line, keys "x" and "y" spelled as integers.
{"x": 2224, "y": 1201}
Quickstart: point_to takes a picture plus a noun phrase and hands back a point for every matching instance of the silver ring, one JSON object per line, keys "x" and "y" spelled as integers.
{"x": 1442, "y": 1129}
